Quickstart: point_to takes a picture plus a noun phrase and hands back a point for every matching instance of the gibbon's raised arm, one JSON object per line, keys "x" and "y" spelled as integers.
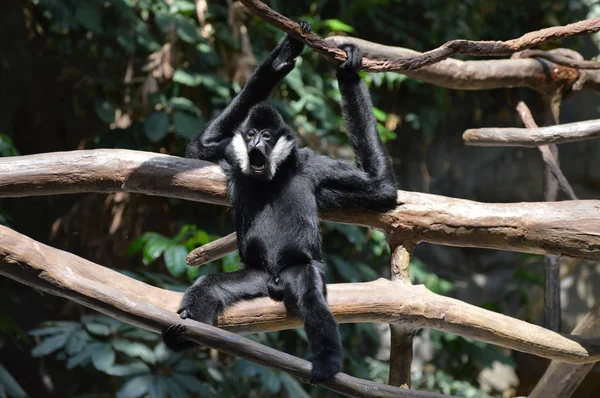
{"x": 370, "y": 184}
{"x": 211, "y": 144}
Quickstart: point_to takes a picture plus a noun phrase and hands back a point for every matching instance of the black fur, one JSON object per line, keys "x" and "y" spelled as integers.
{"x": 277, "y": 216}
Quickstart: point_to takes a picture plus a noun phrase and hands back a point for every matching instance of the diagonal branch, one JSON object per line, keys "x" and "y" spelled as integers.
{"x": 570, "y": 228}
{"x": 136, "y": 303}
{"x": 64, "y": 274}
{"x": 213, "y": 251}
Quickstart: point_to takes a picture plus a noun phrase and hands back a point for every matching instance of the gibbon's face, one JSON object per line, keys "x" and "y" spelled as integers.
{"x": 262, "y": 144}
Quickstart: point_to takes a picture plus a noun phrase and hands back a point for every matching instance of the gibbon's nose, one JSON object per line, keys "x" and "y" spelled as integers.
{"x": 256, "y": 144}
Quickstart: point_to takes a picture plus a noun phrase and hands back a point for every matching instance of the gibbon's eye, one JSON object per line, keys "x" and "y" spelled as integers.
{"x": 266, "y": 135}
{"x": 251, "y": 134}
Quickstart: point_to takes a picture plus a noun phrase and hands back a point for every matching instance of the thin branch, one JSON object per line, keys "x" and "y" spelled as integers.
{"x": 562, "y": 379}
{"x": 454, "y": 47}
{"x": 213, "y": 251}
{"x": 64, "y": 274}
{"x": 72, "y": 277}
{"x": 559, "y": 59}
{"x": 532, "y": 137}
{"x": 569, "y": 228}
{"x": 547, "y": 155}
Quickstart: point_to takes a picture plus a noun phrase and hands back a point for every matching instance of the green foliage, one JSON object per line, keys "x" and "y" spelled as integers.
{"x": 6, "y": 146}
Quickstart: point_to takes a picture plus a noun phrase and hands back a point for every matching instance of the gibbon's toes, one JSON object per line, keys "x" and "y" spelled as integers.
{"x": 305, "y": 26}
{"x": 184, "y": 313}
{"x": 324, "y": 370}
{"x": 174, "y": 339}
{"x": 354, "y": 54}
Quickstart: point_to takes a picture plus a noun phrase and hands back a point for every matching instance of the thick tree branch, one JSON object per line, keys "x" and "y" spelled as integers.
{"x": 570, "y": 228}
{"x": 117, "y": 295}
{"x": 561, "y": 379}
{"x": 66, "y": 275}
{"x": 532, "y": 137}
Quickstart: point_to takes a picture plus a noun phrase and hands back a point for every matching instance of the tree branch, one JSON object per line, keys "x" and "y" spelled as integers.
{"x": 561, "y": 379}
{"x": 532, "y": 137}
{"x": 213, "y": 251}
{"x": 454, "y": 47}
{"x": 66, "y": 275}
{"x": 540, "y": 75}
{"x": 570, "y": 228}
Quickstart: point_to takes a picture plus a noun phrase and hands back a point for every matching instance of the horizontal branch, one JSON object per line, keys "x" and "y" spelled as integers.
{"x": 118, "y": 295}
{"x": 66, "y": 275}
{"x": 570, "y": 228}
{"x": 541, "y": 75}
{"x": 533, "y": 137}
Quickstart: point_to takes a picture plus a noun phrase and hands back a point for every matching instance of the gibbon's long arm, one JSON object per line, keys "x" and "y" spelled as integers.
{"x": 212, "y": 143}
{"x": 371, "y": 183}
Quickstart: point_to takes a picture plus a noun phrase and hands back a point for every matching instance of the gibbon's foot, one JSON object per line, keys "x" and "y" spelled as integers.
{"x": 290, "y": 49}
{"x": 352, "y": 65}
{"x": 175, "y": 340}
{"x": 324, "y": 369}
{"x": 199, "y": 302}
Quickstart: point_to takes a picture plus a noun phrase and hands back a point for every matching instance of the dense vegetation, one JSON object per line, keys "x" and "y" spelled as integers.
{"x": 147, "y": 75}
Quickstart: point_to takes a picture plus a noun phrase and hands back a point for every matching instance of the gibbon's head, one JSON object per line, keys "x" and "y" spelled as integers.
{"x": 263, "y": 142}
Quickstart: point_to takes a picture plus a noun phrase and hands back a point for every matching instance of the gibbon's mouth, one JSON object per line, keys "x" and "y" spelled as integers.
{"x": 258, "y": 161}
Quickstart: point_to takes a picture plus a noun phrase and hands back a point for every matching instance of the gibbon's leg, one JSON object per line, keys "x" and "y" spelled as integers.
{"x": 210, "y": 295}
{"x": 304, "y": 294}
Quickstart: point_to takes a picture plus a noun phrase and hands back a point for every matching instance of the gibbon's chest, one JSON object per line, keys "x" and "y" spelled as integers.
{"x": 281, "y": 197}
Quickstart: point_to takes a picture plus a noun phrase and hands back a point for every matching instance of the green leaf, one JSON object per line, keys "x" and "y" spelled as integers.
{"x": 188, "y": 366}
{"x": 77, "y": 342}
{"x": 135, "y": 387}
{"x": 55, "y": 329}
{"x": 134, "y": 349}
{"x": 192, "y": 384}
{"x": 338, "y": 25}
{"x": 158, "y": 387}
{"x": 130, "y": 369}
{"x": 187, "y": 78}
{"x": 175, "y": 389}
{"x": 164, "y": 21}
{"x": 89, "y": 15}
{"x": 156, "y": 126}
{"x": 156, "y": 244}
{"x": 183, "y": 104}
{"x": 97, "y": 329}
{"x": 293, "y": 388}
{"x": 82, "y": 358}
{"x": 9, "y": 385}
{"x": 186, "y": 125}
{"x": 105, "y": 111}
{"x": 103, "y": 357}
{"x": 50, "y": 344}
{"x": 175, "y": 257}
{"x": 187, "y": 30}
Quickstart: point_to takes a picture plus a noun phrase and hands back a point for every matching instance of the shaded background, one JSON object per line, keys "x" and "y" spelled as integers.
{"x": 148, "y": 74}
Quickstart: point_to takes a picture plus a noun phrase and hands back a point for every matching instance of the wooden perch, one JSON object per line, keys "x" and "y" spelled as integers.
{"x": 64, "y": 274}
{"x": 213, "y": 251}
{"x": 533, "y": 137}
{"x": 570, "y": 228}
{"x": 435, "y": 66}
{"x": 561, "y": 379}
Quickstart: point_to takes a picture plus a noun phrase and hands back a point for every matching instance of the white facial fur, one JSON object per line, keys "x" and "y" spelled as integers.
{"x": 279, "y": 153}
{"x": 241, "y": 153}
